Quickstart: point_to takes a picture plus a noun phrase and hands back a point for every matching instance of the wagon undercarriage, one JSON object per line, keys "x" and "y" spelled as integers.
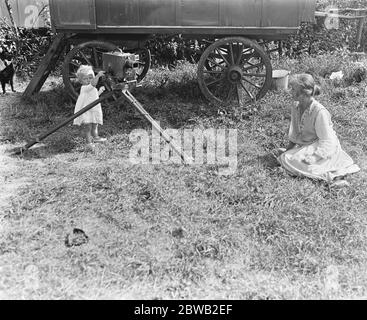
{"x": 230, "y": 70}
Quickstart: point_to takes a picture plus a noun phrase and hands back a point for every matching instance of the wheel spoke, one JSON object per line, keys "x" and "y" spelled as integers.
{"x": 238, "y": 87}
{"x": 95, "y": 56}
{"x": 223, "y": 49}
{"x": 75, "y": 64}
{"x": 85, "y": 58}
{"x": 212, "y": 72}
{"x": 229, "y": 93}
{"x": 252, "y": 66}
{"x": 247, "y": 49}
{"x": 253, "y": 84}
{"x": 248, "y": 58}
{"x": 216, "y": 63}
{"x": 250, "y": 63}
{"x": 223, "y": 57}
{"x": 214, "y": 82}
{"x": 248, "y": 92}
{"x": 231, "y": 52}
{"x": 260, "y": 75}
{"x": 240, "y": 49}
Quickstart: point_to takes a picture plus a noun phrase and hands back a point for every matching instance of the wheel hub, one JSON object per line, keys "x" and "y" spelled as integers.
{"x": 235, "y": 74}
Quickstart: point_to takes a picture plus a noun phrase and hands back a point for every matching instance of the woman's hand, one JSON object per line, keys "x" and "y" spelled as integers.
{"x": 311, "y": 159}
{"x": 291, "y": 145}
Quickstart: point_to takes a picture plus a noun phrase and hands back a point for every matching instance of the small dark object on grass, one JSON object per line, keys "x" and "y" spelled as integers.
{"x": 76, "y": 239}
{"x": 178, "y": 233}
{"x": 359, "y": 74}
{"x": 145, "y": 194}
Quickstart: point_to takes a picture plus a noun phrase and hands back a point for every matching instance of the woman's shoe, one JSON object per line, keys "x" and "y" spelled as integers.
{"x": 340, "y": 184}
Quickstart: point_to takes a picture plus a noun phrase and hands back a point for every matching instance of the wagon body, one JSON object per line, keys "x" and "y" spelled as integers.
{"x": 251, "y": 18}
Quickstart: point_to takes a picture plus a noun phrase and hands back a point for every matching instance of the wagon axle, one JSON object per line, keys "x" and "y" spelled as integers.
{"x": 234, "y": 74}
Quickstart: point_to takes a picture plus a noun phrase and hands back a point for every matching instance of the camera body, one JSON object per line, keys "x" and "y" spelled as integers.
{"x": 121, "y": 66}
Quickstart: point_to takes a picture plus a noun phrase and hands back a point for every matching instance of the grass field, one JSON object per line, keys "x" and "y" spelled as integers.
{"x": 181, "y": 232}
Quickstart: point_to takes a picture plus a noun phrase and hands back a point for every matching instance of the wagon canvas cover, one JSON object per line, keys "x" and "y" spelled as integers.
{"x": 190, "y": 16}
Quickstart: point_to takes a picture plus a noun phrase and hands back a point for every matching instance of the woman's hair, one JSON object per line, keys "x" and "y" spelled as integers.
{"x": 307, "y": 84}
{"x": 84, "y": 70}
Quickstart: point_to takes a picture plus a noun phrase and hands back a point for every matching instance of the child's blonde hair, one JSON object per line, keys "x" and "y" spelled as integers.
{"x": 84, "y": 70}
{"x": 307, "y": 84}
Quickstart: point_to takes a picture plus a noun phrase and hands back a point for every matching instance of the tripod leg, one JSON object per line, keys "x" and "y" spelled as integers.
{"x": 187, "y": 159}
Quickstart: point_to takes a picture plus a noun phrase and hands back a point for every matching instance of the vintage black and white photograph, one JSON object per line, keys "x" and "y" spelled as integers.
{"x": 183, "y": 150}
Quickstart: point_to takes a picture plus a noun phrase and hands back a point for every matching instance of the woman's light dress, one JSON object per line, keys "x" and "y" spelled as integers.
{"x": 314, "y": 135}
{"x": 87, "y": 95}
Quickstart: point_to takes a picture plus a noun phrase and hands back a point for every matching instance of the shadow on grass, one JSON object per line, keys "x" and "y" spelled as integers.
{"x": 268, "y": 161}
{"x": 46, "y": 148}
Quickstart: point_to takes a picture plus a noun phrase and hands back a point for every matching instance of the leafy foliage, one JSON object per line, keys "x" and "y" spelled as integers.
{"x": 25, "y": 47}
{"x": 167, "y": 49}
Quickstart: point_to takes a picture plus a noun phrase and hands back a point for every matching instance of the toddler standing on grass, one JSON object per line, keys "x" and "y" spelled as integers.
{"x": 89, "y": 93}
{"x": 314, "y": 150}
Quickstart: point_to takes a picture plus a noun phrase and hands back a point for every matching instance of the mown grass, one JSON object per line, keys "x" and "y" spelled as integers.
{"x": 184, "y": 232}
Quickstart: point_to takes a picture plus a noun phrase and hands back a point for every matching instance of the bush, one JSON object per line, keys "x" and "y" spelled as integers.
{"x": 317, "y": 39}
{"x": 26, "y": 47}
{"x": 168, "y": 49}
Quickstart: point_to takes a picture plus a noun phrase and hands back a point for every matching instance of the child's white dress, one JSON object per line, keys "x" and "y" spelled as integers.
{"x": 87, "y": 95}
{"x": 314, "y": 135}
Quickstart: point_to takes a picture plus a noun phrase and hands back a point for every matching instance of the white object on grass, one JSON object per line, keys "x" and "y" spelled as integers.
{"x": 337, "y": 75}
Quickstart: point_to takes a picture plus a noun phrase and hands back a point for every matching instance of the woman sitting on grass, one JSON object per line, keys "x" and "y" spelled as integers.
{"x": 314, "y": 150}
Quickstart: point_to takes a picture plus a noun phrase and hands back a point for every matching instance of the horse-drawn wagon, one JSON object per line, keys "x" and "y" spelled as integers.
{"x": 235, "y": 65}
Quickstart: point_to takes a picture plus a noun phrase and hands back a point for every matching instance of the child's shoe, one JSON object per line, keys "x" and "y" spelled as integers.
{"x": 90, "y": 147}
{"x": 99, "y": 139}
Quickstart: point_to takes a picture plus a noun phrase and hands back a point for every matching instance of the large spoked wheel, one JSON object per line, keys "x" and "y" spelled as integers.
{"x": 234, "y": 70}
{"x": 89, "y": 53}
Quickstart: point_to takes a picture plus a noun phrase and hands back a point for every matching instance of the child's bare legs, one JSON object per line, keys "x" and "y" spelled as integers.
{"x": 87, "y": 131}
{"x": 95, "y": 130}
{"x": 95, "y": 135}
